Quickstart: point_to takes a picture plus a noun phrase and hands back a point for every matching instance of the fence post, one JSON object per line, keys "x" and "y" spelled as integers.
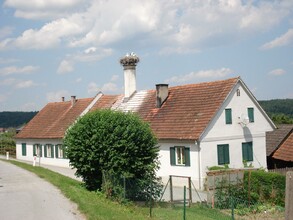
{"x": 7, "y": 155}
{"x": 151, "y": 190}
{"x": 190, "y": 191}
{"x": 289, "y": 195}
{"x": 124, "y": 186}
{"x": 232, "y": 207}
{"x": 184, "y": 203}
{"x": 171, "y": 189}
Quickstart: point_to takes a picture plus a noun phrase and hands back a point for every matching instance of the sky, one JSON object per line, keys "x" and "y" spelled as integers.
{"x": 55, "y": 48}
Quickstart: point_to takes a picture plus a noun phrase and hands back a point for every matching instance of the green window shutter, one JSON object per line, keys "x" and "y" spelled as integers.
{"x": 23, "y": 149}
{"x": 250, "y": 112}
{"x": 172, "y": 156}
{"x": 250, "y": 152}
{"x": 187, "y": 156}
{"x": 220, "y": 154}
{"x": 41, "y": 150}
{"x": 226, "y": 153}
{"x": 34, "y": 150}
{"x": 223, "y": 154}
{"x": 56, "y": 151}
{"x": 45, "y": 150}
{"x": 52, "y": 151}
{"x": 247, "y": 151}
{"x": 244, "y": 152}
{"x": 228, "y": 115}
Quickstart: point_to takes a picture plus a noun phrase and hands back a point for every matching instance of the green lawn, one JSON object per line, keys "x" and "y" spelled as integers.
{"x": 95, "y": 206}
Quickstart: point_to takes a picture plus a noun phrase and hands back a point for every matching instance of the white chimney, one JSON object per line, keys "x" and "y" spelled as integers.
{"x": 162, "y": 93}
{"x": 129, "y": 64}
{"x": 73, "y": 100}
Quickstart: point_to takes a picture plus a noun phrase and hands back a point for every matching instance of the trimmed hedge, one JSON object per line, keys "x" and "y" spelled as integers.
{"x": 266, "y": 187}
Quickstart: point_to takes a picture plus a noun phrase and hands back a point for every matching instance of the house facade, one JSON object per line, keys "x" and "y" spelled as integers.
{"x": 198, "y": 125}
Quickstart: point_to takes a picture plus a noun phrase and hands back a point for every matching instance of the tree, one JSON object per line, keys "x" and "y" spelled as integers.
{"x": 116, "y": 142}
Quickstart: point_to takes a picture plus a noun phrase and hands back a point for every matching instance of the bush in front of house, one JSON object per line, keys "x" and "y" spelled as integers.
{"x": 116, "y": 143}
{"x": 266, "y": 186}
{"x": 258, "y": 187}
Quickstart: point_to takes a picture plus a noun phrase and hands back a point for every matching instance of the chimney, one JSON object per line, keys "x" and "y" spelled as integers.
{"x": 63, "y": 99}
{"x": 73, "y": 100}
{"x": 129, "y": 65}
{"x": 162, "y": 94}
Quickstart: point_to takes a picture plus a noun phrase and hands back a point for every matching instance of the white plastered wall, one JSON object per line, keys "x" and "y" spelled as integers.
{"x": 218, "y": 132}
{"x": 166, "y": 169}
{"x": 43, "y": 160}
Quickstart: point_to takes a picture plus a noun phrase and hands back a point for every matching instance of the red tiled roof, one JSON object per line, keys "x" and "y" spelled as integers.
{"x": 276, "y": 137}
{"x": 105, "y": 102}
{"x": 53, "y": 120}
{"x": 188, "y": 109}
{"x": 184, "y": 115}
{"x": 285, "y": 151}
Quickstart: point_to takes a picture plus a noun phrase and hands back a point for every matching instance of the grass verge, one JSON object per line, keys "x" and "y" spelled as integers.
{"x": 95, "y": 206}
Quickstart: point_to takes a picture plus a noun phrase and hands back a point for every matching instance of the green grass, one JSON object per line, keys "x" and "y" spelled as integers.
{"x": 95, "y": 206}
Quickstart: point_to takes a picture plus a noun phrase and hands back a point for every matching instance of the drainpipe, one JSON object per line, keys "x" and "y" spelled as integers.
{"x": 197, "y": 143}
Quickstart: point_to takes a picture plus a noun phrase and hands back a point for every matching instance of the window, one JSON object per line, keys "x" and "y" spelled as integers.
{"x": 37, "y": 150}
{"x": 238, "y": 92}
{"x": 223, "y": 154}
{"x": 247, "y": 151}
{"x": 250, "y": 112}
{"x": 228, "y": 115}
{"x": 23, "y": 149}
{"x": 49, "y": 150}
{"x": 180, "y": 156}
{"x": 60, "y": 151}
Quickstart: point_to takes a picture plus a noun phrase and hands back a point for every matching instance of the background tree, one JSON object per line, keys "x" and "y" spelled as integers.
{"x": 116, "y": 142}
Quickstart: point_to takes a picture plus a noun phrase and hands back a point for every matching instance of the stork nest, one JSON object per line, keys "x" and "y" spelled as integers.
{"x": 129, "y": 60}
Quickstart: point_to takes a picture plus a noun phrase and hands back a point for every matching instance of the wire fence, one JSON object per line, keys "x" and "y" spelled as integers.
{"x": 187, "y": 202}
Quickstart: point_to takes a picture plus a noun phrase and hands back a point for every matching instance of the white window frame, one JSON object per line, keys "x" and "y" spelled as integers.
{"x": 180, "y": 155}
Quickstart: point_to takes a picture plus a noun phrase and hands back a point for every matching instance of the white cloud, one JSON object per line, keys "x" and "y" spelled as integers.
{"x": 57, "y": 95}
{"x": 18, "y": 70}
{"x": 92, "y": 88}
{"x": 277, "y": 72}
{"x": 283, "y": 40}
{"x": 91, "y": 55}
{"x": 114, "y": 78}
{"x": 90, "y": 50}
{"x": 193, "y": 76}
{"x": 39, "y": 9}
{"x": 78, "y": 80}
{"x": 177, "y": 26}
{"x": 109, "y": 87}
{"x": 25, "y": 84}
{"x": 29, "y": 106}
{"x": 65, "y": 67}
{"x": 8, "y": 82}
{"x": 7, "y": 60}
{"x": 3, "y": 98}
{"x": 5, "y": 31}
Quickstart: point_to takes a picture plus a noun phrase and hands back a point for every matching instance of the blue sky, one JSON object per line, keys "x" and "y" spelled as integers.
{"x": 55, "y": 48}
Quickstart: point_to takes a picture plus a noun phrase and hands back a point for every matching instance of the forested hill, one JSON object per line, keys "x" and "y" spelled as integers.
{"x": 15, "y": 119}
{"x": 280, "y": 110}
{"x": 278, "y": 106}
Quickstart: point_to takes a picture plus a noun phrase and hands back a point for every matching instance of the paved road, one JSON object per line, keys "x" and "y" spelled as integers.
{"x": 25, "y": 196}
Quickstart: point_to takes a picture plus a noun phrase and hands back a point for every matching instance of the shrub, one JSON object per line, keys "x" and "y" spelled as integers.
{"x": 266, "y": 186}
{"x": 119, "y": 143}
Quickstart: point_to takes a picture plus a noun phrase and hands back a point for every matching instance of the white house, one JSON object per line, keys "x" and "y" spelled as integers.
{"x": 198, "y": 125}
